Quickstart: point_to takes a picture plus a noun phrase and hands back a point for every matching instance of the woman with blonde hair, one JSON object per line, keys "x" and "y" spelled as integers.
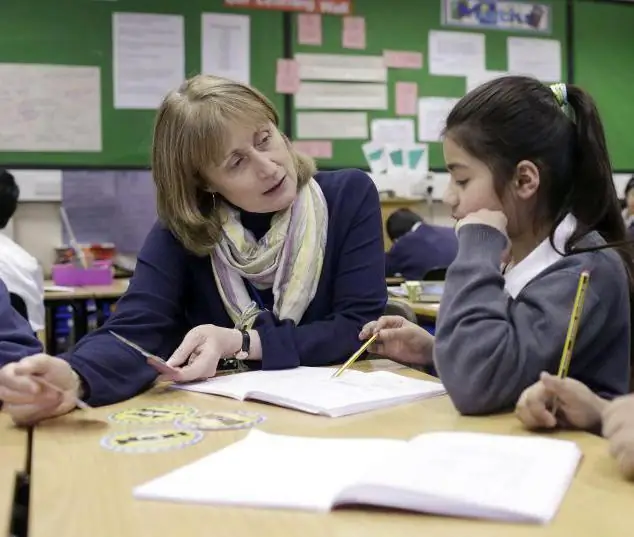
{"x": 256, "y": 258}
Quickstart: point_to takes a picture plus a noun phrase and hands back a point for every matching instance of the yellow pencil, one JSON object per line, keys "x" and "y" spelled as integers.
{"x": 573, "y": 327}
{"x": 353, "y": 358}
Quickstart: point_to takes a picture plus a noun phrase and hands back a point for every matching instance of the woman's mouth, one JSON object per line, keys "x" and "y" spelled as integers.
{"x": 276, "y": 187}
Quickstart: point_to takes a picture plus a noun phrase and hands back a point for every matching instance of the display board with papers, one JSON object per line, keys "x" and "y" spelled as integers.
{"x": 89, "y": 89}
{"x": 421, "y": 65}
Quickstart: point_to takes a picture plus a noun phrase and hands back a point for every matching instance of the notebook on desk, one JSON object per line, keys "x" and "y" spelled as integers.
{"x": 515, "y": 479}
{"x": 312, "y": 390}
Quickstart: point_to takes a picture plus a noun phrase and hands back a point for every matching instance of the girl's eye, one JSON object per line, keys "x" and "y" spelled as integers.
{"x": 237, "y": 162}
{"x": 462, "y": 183}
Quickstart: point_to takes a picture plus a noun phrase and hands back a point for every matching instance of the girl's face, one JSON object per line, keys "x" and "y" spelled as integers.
{"x": 472, "y": 188}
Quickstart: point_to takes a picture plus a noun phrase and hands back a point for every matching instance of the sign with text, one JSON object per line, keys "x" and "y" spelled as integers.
{"x": 326, "y": 7}
{"x": 498, "y": 15}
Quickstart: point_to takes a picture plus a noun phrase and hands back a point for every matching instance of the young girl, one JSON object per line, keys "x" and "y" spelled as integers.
{"x": 580, "y": 408}
{"x": 531, "y": 184}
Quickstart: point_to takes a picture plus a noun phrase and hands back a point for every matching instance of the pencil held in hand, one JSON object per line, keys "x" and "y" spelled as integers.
{"x": 78, "y": 402}
{"x": 354, "y": 357}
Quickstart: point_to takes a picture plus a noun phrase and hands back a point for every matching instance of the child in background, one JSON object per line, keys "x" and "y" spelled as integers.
{"x": 531, "y": 182}
{"x": 628, "y": 211}
{"x": 418, "y": 246}
{"x": 580, "y": 408}
{"x": 21, "y": 272}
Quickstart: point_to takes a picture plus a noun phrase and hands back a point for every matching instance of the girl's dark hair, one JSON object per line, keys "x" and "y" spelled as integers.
{"x": 515, "y": 118}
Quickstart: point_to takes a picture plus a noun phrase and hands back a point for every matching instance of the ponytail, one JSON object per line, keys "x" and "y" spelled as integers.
{"x": 594, "y": 200}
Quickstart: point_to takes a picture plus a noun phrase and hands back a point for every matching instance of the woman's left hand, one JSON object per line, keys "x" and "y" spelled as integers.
{"x": 202, "y": 348}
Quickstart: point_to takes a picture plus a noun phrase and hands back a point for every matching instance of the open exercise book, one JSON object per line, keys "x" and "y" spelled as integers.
{"x": 313, "y": 390}
{"x": 511, "y": 478}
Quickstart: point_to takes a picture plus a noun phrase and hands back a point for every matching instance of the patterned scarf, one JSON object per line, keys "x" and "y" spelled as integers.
{"x": 287, "y": 259}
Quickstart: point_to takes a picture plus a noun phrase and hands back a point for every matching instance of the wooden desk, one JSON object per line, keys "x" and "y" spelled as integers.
{"x": 114, "y": 290}
{"x": 92, "y": 495}
{"x": 428, "y": 310}
{"x": 12, "y": 460}
{"x": 394, "y": 280}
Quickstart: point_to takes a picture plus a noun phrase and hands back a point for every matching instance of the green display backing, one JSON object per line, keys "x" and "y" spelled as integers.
{"x": 603, "y": 55}
{"x": 79, "y": 32}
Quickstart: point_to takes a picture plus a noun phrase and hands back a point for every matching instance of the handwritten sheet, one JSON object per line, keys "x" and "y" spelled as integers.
{"x": 432, "y": 117}
{"x": 287, "y": 76}
{"x": 455, "y": 53}
{"x": 226, "y": 42}
{"x": 353, "y": 33}
{"x": 403, "y": 59}
{"x": 341, "y": 96}
{"x": 393, "y": 131}
{"x": 332, "y": 125}
{"x": 321, "y": 149}
{"x": 344, "y": 67}
{"x": 309, "y": 29}
{"x": 536, "y": 57}
{"x": 50, "y": 108}
{"x": 406, "y": 95}
{"x": 148, "y": 54}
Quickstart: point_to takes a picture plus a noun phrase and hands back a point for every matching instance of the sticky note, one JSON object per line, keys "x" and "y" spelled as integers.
{"x": 403, "y": 59}
{"x": 309, "y": 29}
{"x": 287, "y": 76}
{"x": 353, "y": 32}
{"x": 406, "y": 95}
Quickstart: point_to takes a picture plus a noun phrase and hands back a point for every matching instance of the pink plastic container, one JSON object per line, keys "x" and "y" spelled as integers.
{"x": 100, "y": 273}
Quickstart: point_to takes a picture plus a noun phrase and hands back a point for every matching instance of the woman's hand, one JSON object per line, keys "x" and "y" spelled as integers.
{"x": 400, "y": 340}
{"x": 577, "y": 405}
{"x": 618, "y": 428}
{"x": 29, "y": 401}
{"x": 202, "y": 348}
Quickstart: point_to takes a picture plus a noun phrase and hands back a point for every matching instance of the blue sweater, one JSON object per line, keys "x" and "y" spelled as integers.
{"x": 174, "y": 290}
{"x": 16, "y": 336}
{"x": 418, "y": 251}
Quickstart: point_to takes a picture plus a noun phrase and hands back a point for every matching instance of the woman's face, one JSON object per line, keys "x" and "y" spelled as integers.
{"x": 257, "y": 173}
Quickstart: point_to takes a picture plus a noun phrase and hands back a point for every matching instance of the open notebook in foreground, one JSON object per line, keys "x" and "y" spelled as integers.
{"x": 520, "y": 479}
{"x": 313, "y": 390}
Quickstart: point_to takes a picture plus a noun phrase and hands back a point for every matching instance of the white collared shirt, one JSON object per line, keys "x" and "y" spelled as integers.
{"x": 542, "y": 257}
{"x": 23, "y": 276}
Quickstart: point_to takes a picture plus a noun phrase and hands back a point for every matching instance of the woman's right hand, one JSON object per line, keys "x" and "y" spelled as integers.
{"x": 400, "y": 340}
{"x": 29, "y": 401}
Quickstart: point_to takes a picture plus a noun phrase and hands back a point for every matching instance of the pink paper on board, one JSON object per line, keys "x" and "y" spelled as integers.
{"x": 353, "y": 32}
{"x": 406, "y": 98}
{"x": 287, "y": 76}
{"x": 403, "y": 59}
{"x": 309, "y": 29}
{"x": 314, "y": 148}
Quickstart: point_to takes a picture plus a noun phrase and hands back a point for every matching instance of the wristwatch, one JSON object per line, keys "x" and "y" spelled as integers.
{"x": 243, "y": 353}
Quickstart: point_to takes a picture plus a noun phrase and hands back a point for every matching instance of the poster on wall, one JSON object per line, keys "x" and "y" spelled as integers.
{"x": 325, "y": 7}
{"x": 535, "y": 17}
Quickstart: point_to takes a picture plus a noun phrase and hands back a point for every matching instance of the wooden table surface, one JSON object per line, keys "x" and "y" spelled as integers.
{"x": 12, "y": 459}
{"x": 82, "y": 489}
{"x": 114, "y": 290}
{"x": 429, "y": 310}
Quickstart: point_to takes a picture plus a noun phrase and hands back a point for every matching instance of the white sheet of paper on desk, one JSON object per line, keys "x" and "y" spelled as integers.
{"x": 226, "y": 46}
{"x": 148, "y": 54}
{"x": 534, "y": 56}
{"x": 341, "y": 96}
{"x": 50, "y": 107}
{"x": 455, "y": 53}
{"x": 473, "y": 80}
{"x": 432, "y": 117}
{"x": 393, "y": 131}
{"x": 332, "y": 125}
{"x": 376, "y": 157}
{"x": 345, "y": 67}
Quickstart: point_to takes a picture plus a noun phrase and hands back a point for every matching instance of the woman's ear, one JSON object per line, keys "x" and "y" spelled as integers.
{"x": 527, "y": 179}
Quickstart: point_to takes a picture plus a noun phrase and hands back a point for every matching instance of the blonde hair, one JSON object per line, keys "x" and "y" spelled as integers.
{"x": 189, "y": 137}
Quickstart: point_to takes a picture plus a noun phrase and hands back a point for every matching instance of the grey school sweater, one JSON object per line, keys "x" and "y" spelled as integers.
{"x": 489, "y": 347}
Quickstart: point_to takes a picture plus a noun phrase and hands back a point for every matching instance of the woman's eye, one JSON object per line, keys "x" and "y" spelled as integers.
{"x": 265, "y": 138}
{"x": 237, "y": 162}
